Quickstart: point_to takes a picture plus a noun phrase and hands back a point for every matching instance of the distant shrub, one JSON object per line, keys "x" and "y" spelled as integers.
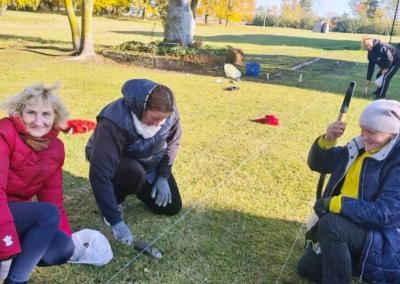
{"x": 284, "y": 22}
{"x": 307, "y": 23}
{"x": 343, "y": 24}
{"x": 28, "y": 5}
{"x": 346, "y": 24}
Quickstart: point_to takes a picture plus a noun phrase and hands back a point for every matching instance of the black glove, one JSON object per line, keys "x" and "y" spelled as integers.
{"x": 321, "y": 206}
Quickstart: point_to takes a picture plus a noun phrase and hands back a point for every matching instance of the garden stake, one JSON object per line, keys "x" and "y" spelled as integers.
{"x": 341, "y": 117}
{"x": 147, "y": 249}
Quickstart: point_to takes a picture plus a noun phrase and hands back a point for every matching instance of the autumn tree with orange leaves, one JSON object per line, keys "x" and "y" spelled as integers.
{"x": 227, "y": 10}
{"x": 367, "y": 9}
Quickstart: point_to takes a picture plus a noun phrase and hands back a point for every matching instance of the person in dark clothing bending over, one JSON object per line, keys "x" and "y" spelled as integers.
{"x": 359, "y": 212}
{"x": 387, "y": 57}
{"x": 132, "y": 151}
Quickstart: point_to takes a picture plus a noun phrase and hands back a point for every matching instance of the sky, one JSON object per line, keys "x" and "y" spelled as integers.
{"x": 320, "y": 7}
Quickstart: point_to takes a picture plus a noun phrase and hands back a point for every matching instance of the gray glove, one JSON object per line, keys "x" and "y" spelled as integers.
{"x": 161, "y": 192}
{"x": 122, "y": 233}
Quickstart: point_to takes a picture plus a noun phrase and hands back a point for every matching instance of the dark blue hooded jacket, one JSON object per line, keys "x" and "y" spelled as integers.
{"x": 382, "y": 54}
{"x": 377, "y": 208}
{"x": 115, "y": 137}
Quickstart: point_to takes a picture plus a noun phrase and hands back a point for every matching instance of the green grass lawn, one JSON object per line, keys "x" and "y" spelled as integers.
{"x": 246, "y": 187}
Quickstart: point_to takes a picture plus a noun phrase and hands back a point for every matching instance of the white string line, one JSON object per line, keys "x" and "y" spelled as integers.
{"x": 211, "y": 190}
{"x": 189, "y": 210}
{"x": 217, "y": 138}
{"x": 219, "y": 185}
{"x": 294, "y": 243}
{"x": 210, "y": 156}
{"x": 302, "y": 225}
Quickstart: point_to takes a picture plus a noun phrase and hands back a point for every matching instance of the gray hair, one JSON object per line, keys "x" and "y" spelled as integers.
{"x": 38, "y": 92}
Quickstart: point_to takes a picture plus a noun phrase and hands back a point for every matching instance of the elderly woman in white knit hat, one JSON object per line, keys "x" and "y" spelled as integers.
{"x": 358, "y": 233}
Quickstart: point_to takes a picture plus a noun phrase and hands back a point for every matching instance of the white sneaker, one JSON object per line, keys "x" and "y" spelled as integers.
{"x": 121, "y": 210}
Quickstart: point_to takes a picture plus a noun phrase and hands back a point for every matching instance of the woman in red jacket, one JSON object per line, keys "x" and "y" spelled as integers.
{"x": 31, "y": 160}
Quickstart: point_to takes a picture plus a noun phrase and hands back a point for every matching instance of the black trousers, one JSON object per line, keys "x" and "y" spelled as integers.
{"x": 341, "y": 243}
{"x": 380, "y": 92}
{"x": 130, "y": 179}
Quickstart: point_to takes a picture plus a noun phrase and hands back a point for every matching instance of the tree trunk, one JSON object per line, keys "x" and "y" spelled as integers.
{"x": 173, "y": 26}
{"x": 144, "y": 13}
{"x": 193, "y": 7}
{"x": 87, "y": 49}
{"x": 226, "y": 22}
{"x": 206, "y": 18}
{"x": 73, "y": 23}
{"x": 3, "y": 8}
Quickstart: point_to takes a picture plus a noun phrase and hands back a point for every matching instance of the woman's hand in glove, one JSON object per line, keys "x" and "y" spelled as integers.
{"x": 161, "y": 192}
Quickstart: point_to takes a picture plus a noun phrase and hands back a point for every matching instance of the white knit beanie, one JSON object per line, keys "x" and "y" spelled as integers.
{"x": 382, "y": 116}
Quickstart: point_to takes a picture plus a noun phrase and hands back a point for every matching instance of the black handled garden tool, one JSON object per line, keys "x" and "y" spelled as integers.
{"x": 341, "y": 117}
{"x": 147, "y": 249}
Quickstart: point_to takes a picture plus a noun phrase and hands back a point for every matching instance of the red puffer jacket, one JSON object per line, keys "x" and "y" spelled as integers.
{"x": 24, "y": 174}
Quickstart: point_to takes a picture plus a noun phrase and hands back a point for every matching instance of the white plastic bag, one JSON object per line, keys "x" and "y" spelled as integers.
{"x": 4, "y": 269}
{"x": 379, "y": 81}
{"x": 312, "y": 219}
{"x": 232, "y": 72}
{"x": 188, "y": 24}
{"x": 91, "y": 247}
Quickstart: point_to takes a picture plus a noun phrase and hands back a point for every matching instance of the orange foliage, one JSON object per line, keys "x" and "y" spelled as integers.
{"x": 232, "y": 10}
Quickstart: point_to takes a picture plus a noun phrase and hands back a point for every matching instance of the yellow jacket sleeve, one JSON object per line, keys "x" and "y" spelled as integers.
{"x": 324, "y": 144}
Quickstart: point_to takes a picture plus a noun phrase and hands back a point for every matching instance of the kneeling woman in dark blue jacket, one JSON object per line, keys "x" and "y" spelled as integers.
{"x": 387, "y": 57}
{"x": 132, "y": 152}
{"x": 359, "y": 213}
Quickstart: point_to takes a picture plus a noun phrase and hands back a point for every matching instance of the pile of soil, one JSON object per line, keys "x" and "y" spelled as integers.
{"x": 193, "y": 62}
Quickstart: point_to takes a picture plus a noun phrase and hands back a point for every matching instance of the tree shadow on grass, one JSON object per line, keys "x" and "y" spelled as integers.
{"x": 277, "y": 69}
{"x": 46, "y": 53}
{"x": 325, "y": 75}
{"x": 277, "y": 40}
{"x": 268, "y": 40}
{"x": 32, "y": 39}
{"x": 42, "y": 44}
{"x": 204, "y": 245}
{"x": 79, "y": 198}
{"x": 143, "y": 33}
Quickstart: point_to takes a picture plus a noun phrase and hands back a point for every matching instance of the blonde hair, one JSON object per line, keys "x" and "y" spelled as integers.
{"x": 365, "y": 40}
{"x": 39, "y": 93}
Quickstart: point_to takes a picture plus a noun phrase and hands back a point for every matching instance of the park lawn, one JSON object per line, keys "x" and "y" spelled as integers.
{"x": 246, "y": 187}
